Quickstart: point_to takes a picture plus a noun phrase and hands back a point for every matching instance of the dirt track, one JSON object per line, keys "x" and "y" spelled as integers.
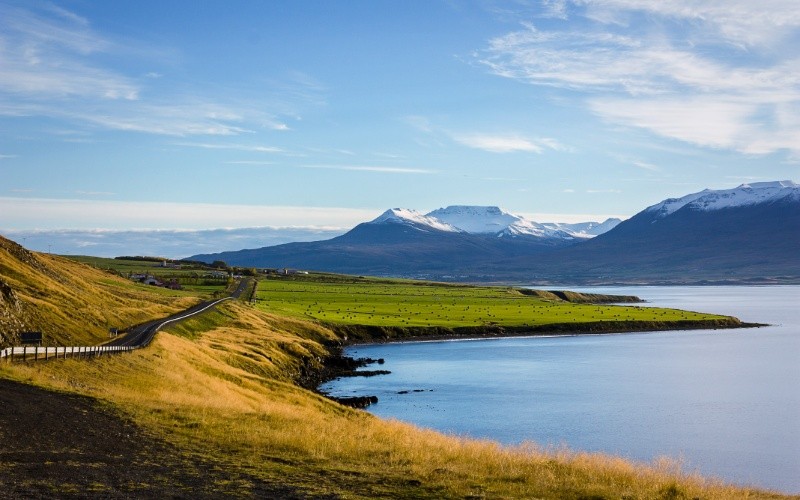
{"x": 66, "y": 446}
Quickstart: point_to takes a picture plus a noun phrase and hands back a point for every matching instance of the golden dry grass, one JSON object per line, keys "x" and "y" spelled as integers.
{"x": 228, "y": 393}
{"x": 72, "y": 303}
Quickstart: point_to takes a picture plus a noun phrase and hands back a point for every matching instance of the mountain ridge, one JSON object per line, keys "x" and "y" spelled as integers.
{"x": 748, "y": 233}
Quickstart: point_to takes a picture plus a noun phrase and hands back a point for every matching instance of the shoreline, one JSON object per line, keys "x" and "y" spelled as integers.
{"x": 368, "y": 335}
{"x": 338, "y": 365}
{"x": 459, "y": 338}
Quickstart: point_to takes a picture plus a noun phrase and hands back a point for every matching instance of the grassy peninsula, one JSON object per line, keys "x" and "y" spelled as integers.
{"x": 373, "y": 309}
{"x": 219, "y": 397}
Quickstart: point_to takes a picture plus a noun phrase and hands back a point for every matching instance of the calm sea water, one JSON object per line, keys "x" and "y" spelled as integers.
{"x": 726, "y": 402}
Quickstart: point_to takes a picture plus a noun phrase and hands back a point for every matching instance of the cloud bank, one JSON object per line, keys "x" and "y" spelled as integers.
{"x": 718, "y": 74}
{"x": 172, "y": 244}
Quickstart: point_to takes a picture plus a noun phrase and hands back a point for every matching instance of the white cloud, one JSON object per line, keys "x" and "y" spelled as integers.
{"x": 738, "y": 21}
{"x": 236, "y": 147}
{"x": 378, "y": 169}
{"x": 54, "y": 64}
{"x": 249, "y": 162}
{"x": 569, "y": 218}
{"x": 681, "y": 69}
{"x": 602, "y": 191}
{"x": 705, "y": 122}
{"x": 45, "y": 55}
{"x": 163, "y": 243}
{"x": 507, "y": 143}
{"x": 49, "y": 213}
{"x": 646, "y": 166}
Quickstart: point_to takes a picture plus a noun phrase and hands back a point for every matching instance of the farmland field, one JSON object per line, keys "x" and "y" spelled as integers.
{"x": 192, "y": 278}
{"x": 403, "y": 303}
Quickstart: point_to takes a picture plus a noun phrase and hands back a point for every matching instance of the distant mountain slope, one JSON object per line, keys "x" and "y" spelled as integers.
{"x": 399, "y": 242}
{"x": 69, "y": 302}
{"x": 747, "y": 233}
{"x": 586, "y": 229}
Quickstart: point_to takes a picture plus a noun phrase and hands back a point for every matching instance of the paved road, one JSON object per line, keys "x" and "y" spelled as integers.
{"x": 142, "y": 335}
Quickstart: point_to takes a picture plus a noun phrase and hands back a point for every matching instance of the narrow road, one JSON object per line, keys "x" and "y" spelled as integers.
{"x": 142, "y": 335}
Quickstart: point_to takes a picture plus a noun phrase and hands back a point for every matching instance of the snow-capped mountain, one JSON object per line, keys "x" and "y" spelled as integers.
{"x": 413, "y": 218}
{"x": 476, "y": 220}
{"x": 494, "y": 221}
{"x": 585, "y": 230}
{"x": 498, "y": 222}
{"x": 746, "y": 234}
{"x": 744, "y": 195}
{"x": 750, "y": 233}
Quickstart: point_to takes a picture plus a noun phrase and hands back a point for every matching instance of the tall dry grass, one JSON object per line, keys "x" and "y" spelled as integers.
{"x": 228, "y": 394}
{"x": 72, "y": 303}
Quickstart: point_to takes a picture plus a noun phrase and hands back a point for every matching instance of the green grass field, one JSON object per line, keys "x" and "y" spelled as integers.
{"x": 401, "y": 303}
{"x": 192, "y": 278}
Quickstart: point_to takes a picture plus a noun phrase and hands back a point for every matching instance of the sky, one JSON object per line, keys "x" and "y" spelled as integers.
{"x": 304, "y": 118}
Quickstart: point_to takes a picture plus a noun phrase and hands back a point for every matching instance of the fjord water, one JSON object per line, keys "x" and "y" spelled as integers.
{"x": 725, "y": 402}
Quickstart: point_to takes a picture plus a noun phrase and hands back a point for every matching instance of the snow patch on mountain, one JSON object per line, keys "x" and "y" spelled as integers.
{"x": 744, "y": 195}
{"x": 476, "y": 220}
{"x": 413, "y": 218}
{"x": 496, "y": 221}
{"x": 585, "y": 230}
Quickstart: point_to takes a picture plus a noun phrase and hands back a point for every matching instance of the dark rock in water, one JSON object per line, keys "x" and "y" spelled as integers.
{"x": 357, "y": 401}
{"x": 367, "y": 373}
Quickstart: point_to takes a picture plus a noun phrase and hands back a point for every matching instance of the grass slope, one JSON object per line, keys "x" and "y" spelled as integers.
{"x": 221, "y": 389}
{"x": 366, "y": 306}
{"x": 71, "y": 303}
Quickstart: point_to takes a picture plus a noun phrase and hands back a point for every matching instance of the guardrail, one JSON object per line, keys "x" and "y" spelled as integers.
{"x": 38, "y": 353}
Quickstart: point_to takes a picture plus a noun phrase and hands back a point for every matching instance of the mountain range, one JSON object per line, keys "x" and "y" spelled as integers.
{"x": 749, "y": 233}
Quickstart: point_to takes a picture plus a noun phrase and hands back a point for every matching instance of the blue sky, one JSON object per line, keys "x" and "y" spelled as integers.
{"x": 315, "y": 114}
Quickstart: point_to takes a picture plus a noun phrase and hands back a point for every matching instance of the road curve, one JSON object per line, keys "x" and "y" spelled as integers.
{"x": 142, "y": 335}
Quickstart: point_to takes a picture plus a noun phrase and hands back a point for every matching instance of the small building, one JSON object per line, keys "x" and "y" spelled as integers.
{"x": 151, "y": 280}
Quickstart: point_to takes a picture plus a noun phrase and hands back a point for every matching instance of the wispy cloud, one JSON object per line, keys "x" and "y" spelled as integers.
{"x": 95, "y": 193}
{"x": 602, "y": 191}
{"x": 249, "y": 162}
{"x": 46, "y": 54}
{"x": 721, "y": 74}
{"x": 369, "y": 168}
{"x": 507, "y": 143}
{"x": 646, "y": 166}
{"x": 236, "y": 147}
{"x": 55, "y": 64}
{"x": 570, "y": 218}
{"x": 49, "y": 213}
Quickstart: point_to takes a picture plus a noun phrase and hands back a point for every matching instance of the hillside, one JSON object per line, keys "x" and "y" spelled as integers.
{"x": 71, "y": 303}
{"x": 214, "y": 408}
{"x": 751, "y": 233}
